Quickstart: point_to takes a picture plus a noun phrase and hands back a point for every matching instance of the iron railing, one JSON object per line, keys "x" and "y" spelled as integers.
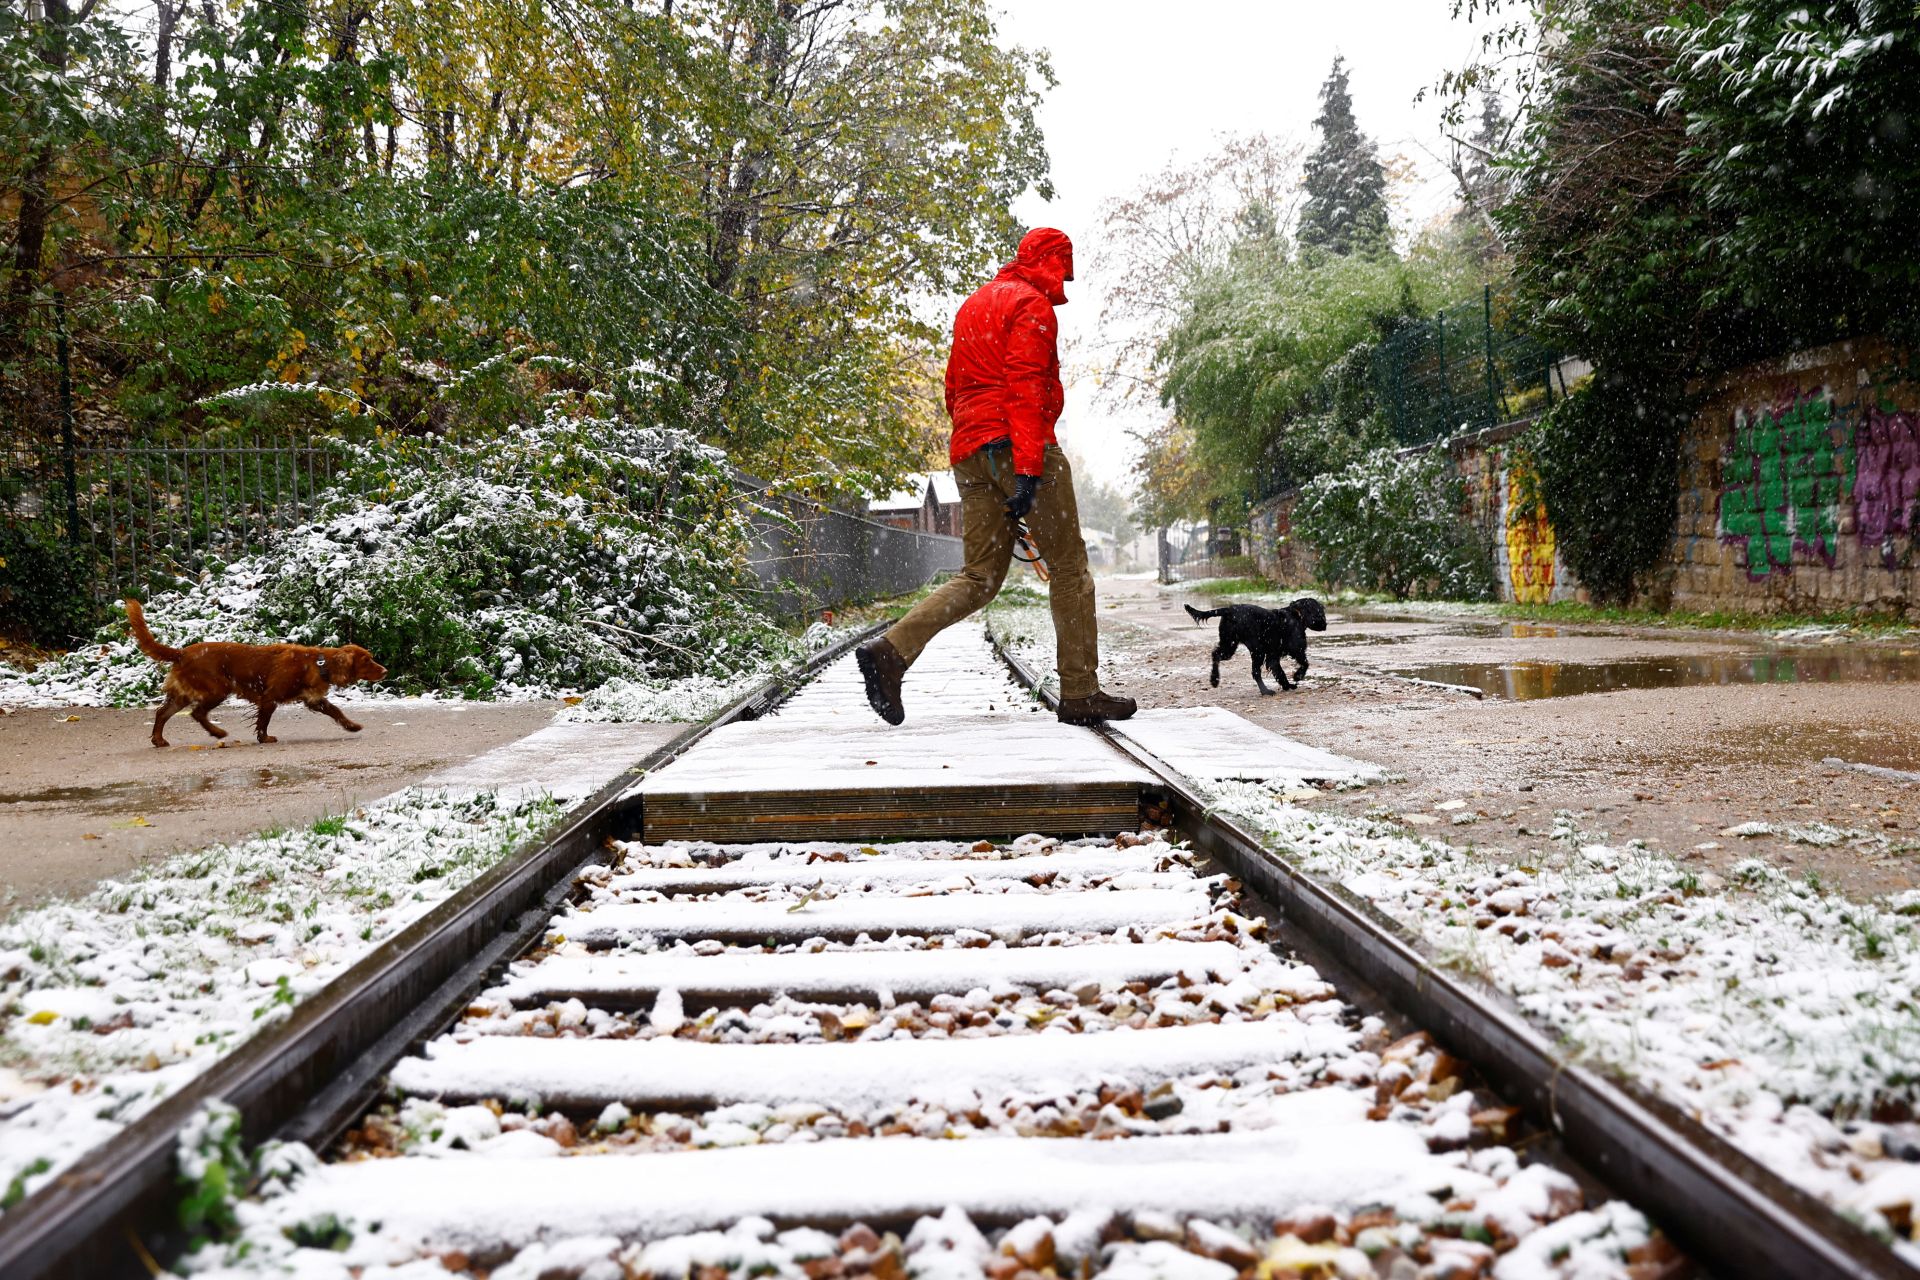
{"x": 809, "y": 556}
{"x": 1462, "y": 368}
{"x": 154, "y": 513}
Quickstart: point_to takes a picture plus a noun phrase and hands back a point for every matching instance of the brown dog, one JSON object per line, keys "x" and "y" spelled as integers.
{"x": 206, "y": 675}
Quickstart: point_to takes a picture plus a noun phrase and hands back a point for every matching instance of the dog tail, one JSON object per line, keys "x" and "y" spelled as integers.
{"x": 137, "y": 623}
{"x": 1311, "y": 612}
{"x": 1201, "y": 615}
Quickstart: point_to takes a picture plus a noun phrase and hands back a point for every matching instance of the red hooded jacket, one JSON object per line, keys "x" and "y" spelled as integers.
{"x": 1003, "y": 378}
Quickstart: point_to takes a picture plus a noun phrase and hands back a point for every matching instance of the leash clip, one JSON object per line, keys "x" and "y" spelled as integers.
{"x": 1023, "y": 542}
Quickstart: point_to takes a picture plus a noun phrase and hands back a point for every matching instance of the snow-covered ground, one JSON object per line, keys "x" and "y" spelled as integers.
{"x": 118, "y": 999}
{"x": 1781, "y": 1014}
{"x": 112, "y": 1002}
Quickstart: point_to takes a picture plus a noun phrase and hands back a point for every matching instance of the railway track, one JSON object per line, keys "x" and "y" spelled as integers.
{"x": 730, "y": 1056}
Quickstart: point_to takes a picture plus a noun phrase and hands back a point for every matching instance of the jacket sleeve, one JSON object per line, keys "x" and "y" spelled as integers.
{"x": 953, "y": 360}
{"x": 1033, "y": 387}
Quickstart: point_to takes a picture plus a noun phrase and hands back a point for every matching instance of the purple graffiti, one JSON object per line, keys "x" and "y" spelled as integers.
{"x": 1886, "y": 485}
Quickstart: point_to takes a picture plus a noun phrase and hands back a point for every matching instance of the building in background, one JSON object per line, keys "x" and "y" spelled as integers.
{"x": 926, "y": 502}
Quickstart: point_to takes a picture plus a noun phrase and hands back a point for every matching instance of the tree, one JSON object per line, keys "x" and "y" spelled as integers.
{"x": 1154, "y": 242}
{"x": 1392, "y": 523}
{"x": 1482, "y": 182}
{"x": 1265, "y": 363}
{"x": 1101, "y": 505}
{"x": 1799, "y": 136}
{"x": 1345, "y": 211}
{"x": 1171, "y": 487}
{"x": 728, "y": 201}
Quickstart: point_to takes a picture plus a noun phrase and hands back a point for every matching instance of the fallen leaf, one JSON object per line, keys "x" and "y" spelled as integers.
{"x": 869, "y": 850}
{"x": 69, "y": 719}
{"x": 573, "y": 700}
{"x": 88, "y": 835}
{"x": 873, "y": 762}
{"x": 42, "y": 1018}
{"x": 807, "y": 897}
{"x": 137, "y": 820}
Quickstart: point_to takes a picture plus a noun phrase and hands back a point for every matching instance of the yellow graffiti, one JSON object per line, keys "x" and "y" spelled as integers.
{"x": 1529, "y": 542}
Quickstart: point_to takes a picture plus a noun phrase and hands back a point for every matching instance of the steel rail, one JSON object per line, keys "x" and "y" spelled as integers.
{"x": 1738, "y": 1217}
{"x": 114, "y": 1212}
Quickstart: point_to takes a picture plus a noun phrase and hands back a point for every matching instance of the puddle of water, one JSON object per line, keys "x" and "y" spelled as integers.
{"x": 135, "y": 797}
{"x": 1525, "y": 681}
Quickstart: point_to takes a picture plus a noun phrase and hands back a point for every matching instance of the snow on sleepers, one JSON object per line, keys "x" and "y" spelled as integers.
{"x": 957, "y": 674}
{"x": 1099, "y": 911}
{"x": 1321, "y": 1150}
{"x": 1139, "y": 870}
{"x": 913, "y": 975}
{"x": 586, "y": 1075}
{"x": 948, "y": 752}
{"x": 1212, "y": 743}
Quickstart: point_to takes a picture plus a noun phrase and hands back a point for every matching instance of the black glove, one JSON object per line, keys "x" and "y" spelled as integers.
{"x": 1024, "y": 488}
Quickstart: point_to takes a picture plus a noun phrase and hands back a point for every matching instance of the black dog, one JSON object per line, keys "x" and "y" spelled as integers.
{"x": 1269, "y": 635}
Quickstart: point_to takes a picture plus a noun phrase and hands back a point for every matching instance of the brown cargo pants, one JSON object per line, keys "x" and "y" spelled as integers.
{"x": 986, "y": 482}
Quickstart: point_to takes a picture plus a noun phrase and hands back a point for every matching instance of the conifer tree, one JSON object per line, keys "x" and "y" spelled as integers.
{"x": 1345, "y": 211}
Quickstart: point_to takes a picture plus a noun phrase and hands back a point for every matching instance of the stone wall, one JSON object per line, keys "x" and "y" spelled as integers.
{"x": 1276, "y": 552}
{"x": 1799, "y": 491}
{"x": 1798, "y": 488}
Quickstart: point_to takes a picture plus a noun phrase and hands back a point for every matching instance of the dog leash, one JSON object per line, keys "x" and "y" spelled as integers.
{"x": 1023, "y": 542}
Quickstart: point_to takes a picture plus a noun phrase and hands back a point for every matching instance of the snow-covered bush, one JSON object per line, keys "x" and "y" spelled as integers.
{"x": 1392, "y": 523}
{"x": 570, "y": 552}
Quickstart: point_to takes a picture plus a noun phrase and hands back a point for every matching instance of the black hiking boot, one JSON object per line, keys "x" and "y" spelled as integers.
{"x": 883, "y": 668}
{"x": 1100, "y": 707}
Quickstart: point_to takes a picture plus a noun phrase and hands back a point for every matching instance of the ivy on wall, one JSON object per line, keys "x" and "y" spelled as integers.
{"x": 1609, "y": 463}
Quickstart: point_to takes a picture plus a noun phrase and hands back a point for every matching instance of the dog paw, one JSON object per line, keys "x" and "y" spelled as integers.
{"x": 159, "y": 742}
{"x": 266, "y": 738}
{"x": 350, "y": 726}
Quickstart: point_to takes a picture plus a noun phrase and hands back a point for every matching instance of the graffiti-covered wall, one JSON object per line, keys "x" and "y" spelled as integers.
{"x": 1503, "y": 502}
{"x": 1798, "y": 489}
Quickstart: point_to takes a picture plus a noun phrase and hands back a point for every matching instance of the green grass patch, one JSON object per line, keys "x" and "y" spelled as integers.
{"x": 1230, "y": 587}
{"x": 1572, "y": 612}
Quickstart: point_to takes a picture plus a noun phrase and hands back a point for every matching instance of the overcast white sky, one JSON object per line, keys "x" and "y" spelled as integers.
{"x": 1143, "y": 79}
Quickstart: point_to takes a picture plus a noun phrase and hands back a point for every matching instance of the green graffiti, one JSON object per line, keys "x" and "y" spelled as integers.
{"x": 1782, "y": 482}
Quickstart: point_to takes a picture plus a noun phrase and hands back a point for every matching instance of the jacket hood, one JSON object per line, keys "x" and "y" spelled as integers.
{"x": 1045, "y": 261}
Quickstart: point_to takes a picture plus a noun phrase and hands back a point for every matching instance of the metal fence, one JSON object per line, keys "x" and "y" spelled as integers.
{"x": 154, "y": 513}
{"x": 1465, "y": 367}
{"x": 808, "y": 556}
{"x": 1190, "y": 553}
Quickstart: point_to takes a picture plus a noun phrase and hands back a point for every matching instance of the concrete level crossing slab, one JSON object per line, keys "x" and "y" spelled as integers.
{"x": 1212, "y": 743}
{"x": 975, "y": 759}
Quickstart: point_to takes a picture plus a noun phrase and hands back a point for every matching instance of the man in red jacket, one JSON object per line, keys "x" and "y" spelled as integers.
{"x": 1004, "y": 396}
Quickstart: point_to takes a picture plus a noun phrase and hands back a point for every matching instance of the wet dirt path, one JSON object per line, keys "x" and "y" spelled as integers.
{"x": 85, "y": 796}
{"x": 1679, "y": 765}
